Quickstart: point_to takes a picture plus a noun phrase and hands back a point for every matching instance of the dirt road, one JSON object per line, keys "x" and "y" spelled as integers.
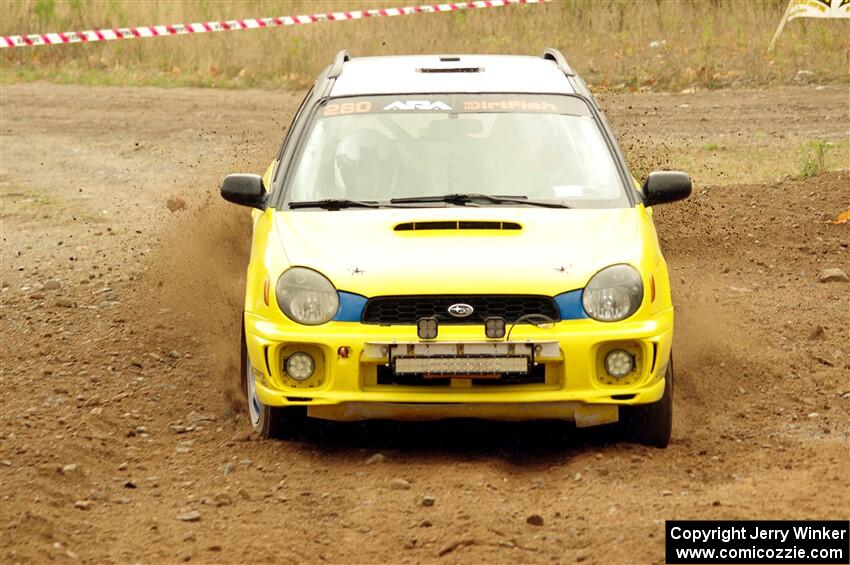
{"x": 120, "y": 437}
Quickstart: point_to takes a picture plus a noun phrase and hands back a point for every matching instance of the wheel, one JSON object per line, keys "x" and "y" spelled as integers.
{"x": 651, "y": 424}
{"x": 269, "y": 421}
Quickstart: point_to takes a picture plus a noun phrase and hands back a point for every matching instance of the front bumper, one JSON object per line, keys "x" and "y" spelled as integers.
{"x": 576, "y": 386}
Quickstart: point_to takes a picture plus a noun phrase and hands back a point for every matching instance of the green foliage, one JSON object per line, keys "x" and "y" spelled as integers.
{"x": 44, "y": 10}
{"x": 814, "y": 159}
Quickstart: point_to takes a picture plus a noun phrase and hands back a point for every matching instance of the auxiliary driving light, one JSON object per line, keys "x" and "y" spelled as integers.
{"x": 619, "y": 363}
{"x": 494, "y": 328}
{"x": 426, "y": 328}
{"x": 300, "y": 366}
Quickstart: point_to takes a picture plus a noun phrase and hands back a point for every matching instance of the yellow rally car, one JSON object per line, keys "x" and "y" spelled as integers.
{"x": 455, "y": 237}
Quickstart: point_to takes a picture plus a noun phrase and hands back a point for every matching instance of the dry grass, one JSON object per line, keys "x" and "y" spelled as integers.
{"x": 705, "y": 43}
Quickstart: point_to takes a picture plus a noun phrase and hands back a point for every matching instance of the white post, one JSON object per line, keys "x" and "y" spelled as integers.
{"x": 781, "y": 26}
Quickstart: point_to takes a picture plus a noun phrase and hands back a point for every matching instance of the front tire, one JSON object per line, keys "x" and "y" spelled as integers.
{"x": 651, "y": 424}
{"x": 270, "y": 422}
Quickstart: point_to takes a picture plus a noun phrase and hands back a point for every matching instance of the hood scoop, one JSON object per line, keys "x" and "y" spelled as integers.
{"x": 443, "y": 225}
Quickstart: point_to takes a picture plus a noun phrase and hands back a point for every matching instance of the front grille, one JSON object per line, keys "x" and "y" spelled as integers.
{"x": 409, "y": 309}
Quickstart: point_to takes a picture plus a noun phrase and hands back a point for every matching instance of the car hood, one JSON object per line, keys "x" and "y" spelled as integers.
{"x": 554, "y": 251}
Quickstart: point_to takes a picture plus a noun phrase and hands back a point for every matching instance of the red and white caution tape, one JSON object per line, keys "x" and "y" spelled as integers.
{"x": 233, "y": 25}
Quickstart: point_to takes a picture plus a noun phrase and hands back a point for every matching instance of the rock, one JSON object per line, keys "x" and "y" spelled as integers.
{"x": 52, "y": 284}
{"x": 195, "y": 417}
{"x": 534, "y": 520}
{"x": 174, "y": 354}
{"x": 214, "y": 547}
{"x": 96, "y": 495}
{"x": 189, "y": 536}
{"x": 243, "y": 492}
{"x": 814, "y": 415}
{"x": 666, "y": 493}
{"x": 69, "y": 468}
{"x": 123, "y": 466}
{"x": 246, "y": 462}
{"x": 428, "y": 500}
{"x": 240, "y": 436}
{"x": 377, "y": 458}
{"x": 65, "y": 303}
{"x": 175, "y": 203}
{"x": 122, "y": 500}
{"x": 222, "y": 499}
{"x": 82, "y": 504}
{"x": 804, "y": 76}
{"x": 192, "y": 516}
{"x": 228, "y": 468}
{"x": 816, "y": 333}
{"x": 833, "y": 275}
{"x": 399, "y": 484}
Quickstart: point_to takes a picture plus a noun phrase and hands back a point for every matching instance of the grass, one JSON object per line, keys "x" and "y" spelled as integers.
{"x": 813, "y": 162}
{"x": 743, "y": 162}
{"x": 627, "y": 45}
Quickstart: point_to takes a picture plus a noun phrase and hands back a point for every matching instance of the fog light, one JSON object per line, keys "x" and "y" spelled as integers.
{"x": 494, "y": 328}
{"x": 300, "y": 366}
{"x": 426, "y": 328}
{"x": 619, "y": 363}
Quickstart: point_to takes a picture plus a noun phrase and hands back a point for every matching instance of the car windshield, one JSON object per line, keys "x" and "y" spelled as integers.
{"x": 384, "y": 148}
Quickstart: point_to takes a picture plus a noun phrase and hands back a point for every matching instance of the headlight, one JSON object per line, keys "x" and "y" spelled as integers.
{"x": 306, "y": 296}
{"x": 613, "y": 294}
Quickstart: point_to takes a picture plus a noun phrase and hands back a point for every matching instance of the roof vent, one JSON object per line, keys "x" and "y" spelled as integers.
{"x": 457, "y": 225}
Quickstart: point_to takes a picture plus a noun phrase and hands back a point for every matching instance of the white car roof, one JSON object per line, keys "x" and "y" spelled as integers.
{"x": 403, "y": 75}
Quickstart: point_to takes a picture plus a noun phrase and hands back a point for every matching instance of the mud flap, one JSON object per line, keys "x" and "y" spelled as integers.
{"x": 588, "y": 415}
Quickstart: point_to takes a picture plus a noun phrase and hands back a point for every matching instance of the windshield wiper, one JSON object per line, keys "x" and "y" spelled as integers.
{"x": 463, "y": 199}
{"x": 334, "y": 204}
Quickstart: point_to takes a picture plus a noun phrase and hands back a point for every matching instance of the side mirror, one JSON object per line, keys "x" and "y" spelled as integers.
{"x": 666, "y": 186}
{"x": 245, "y": 190}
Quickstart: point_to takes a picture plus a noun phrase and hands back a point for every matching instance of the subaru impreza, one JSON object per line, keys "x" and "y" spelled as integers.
{"x": 455, "y": 237}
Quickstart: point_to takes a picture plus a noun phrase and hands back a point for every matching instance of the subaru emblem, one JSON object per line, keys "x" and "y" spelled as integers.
{"x": 461, "y": 310}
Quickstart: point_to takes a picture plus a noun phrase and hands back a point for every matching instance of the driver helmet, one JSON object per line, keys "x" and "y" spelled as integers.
{"x": 366, "y": 165}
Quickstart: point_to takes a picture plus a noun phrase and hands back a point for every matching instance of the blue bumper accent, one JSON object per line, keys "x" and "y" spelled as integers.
{"x": 350, "y": 307}
{"x": 569, "y": 305}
